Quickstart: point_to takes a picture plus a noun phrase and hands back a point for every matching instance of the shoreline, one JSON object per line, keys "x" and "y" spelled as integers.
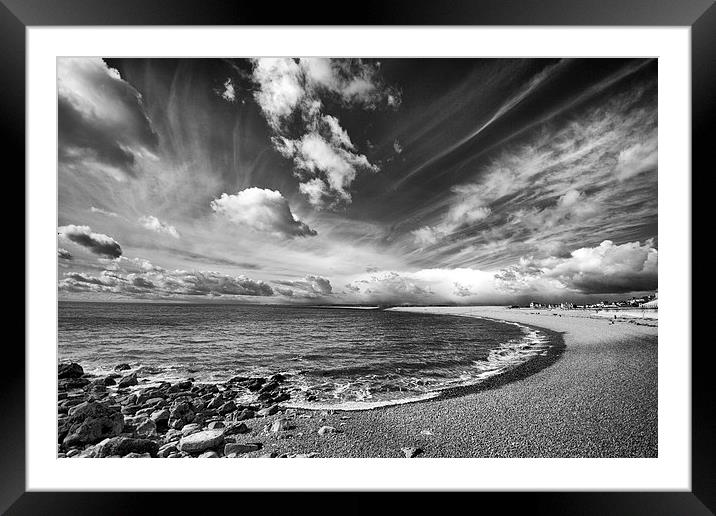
{"x": 593, "y": 396}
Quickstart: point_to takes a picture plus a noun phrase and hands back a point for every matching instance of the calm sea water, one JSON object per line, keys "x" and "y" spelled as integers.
{"x": 336, "y": 357}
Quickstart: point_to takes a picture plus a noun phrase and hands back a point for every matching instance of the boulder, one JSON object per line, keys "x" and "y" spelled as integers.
{"x": 108, "y": 380}
{"x": 122, "y": 367}
{"x": 216, "y": 424}
{"x": 128, "y": 381}
{"x": 202, "y": 441}
{"x": 239, "y": 448}
{"x": 209, "y": 455}
{"x": 122, "y": 446}
{"x": 227, "y": 407}
{"x": 183, "y": 411}
{"x": 146, "y": 428}
{"x": 135, "y": 455}
{"x": 269, "y": 387}
{"x": 64, "y": 384}
{"x": 160, "y": 417}
{"x": 327, "y": 430}
{"x": 90, "y": 422}
{"x": 243, "y": 415}
{"x": 69, "y": 370}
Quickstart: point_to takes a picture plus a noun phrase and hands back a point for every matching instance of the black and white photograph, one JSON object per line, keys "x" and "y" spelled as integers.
{"x": 327, "y": 257}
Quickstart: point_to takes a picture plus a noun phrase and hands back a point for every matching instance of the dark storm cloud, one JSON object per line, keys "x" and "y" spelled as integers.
{"x": 101, "y": 119}
{"x": 98, "y": 243}
{"x": 310, "y": 286}
{"x": 137, "y": 277}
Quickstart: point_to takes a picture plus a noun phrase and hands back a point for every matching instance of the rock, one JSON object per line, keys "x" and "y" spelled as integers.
{"x": 237, "y": 428}
{"x": 128, "y": 381}
{"x": 155, "y": 402}
{"x": 191, "y": 428}
{"x": 125, "y": 445}
{"x": 108, "y": 380}
{"x": 202, "y": 441}
{"x": 181, "y": 386}
{"x": 269, "y": 386}
{"x": 122, "y": 367}
{"x": 278, "y": 377}
{"x": 135, "y": 455}
{"x": 255, "y": 384}
{"x": 209, "y": 455}
{"x": 176, "y": 424}
{"x": 168, "y": 449}
{"x": 216, "y": 424}
{"x": 239, "y": 448}
{"x": 269, "y": 411}
{"x": 71, "y": 383}
{"x": 69, "y": 370}
{"x": 183, "y": 411}
{"x": 411, "y": 452}
{"x": 90, "y": 422}
{"x": 72, "y": 452}
{"x": 227, "y": 407}
{"x": 269, "y": 455}
{"x": 327, "y": 430}
{"x": 243, "y": 415}
{"x": 160, "y": 417}
{"x": 280, "y": 425}
{"x": 147, "y": 428}
{"x": 215, "y": 403}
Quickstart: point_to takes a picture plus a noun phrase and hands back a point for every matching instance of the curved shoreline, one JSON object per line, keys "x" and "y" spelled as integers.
{"x": 594, "y": 397}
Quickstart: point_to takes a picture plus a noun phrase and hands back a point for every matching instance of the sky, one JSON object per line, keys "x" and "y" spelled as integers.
{"x": 357, "y": 181}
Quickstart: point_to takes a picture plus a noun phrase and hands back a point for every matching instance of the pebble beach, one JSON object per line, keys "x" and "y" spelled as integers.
{"x": 594, "y": 396}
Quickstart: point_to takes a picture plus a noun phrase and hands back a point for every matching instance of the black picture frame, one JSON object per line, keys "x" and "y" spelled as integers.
{"x": 17, "y": 15}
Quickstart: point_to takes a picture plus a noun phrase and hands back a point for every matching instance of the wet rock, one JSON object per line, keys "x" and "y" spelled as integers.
{"x": 69, "y": 370}
{"x": 202, "y": 441}
{"x": 176, "y": 424}
{"x": 327, "y": 430}
{"x": 122, "y": 367}
{"x": 64, "y": 384}
{"x": 255, "y": 384}
{"x": 278, "y": 378}
{"x": 269, "y": 387}
{"x": 181, "y": 386}
{"x": 227, "y": 407}
{"x": 90, "y": 422}
{"x": 268, "y": 411}
{"x": 122, "y": 446}
{"x": 216, "y": 402}
{"x": 108, "y": 380}
{"x": 168, "y": 449}
{"x": 128, "y": 381}
{"x": 269, "y": 455}
{"x": 216, "y": 424}
{"x": 135, "y": 455}
{"x": 411, "y": 452}
{"x": 240, "y": 448}
{"x": 72, "y": 453}
{"x": 280, "y": 425}
{"x": 209, "y": 455}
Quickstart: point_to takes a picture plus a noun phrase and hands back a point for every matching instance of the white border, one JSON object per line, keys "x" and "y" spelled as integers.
{"x": 671, "y": 471}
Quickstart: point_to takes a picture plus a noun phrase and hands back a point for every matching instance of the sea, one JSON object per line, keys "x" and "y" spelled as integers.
{"x": 339, "y": 358}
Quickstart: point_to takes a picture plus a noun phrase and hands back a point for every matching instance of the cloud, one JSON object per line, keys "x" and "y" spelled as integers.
{"x": 310, "y": 286}
{"x": 98, "y": 243}
{"x": 102, "y": 123}
{"x": 605, "y": 269}
{"x": 103, "y": 212}
{"x": 64, "y": 254}
{"x": 152, "y": 223}
{"x": 637, "y": 158}
{"x": 229, "y": 92}
{"x": 262, "y": 210}
{"x": 291, "y": 95}
{"x": 140, "y": 278}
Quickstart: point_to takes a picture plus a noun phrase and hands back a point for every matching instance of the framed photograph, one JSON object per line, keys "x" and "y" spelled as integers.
{"x": 422, "y": 249}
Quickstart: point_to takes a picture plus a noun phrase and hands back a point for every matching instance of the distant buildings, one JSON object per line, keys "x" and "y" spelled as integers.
{"x": 648, "y": 301}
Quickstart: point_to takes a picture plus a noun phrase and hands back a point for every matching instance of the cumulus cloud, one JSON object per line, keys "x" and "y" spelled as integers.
{"x": 229, "y": 91}
{"x": 605, "y": 269}
{"x": 152, "y": 223}
{"x": 291, "y": 95}
{"x": 262, "y": 210}
{"x": 64, "y": 254}
{"x": 310, "y": 286}
{"x": 98, "y": 243}
{"x": 637, "y": 158}
{"x": 140, "y": 278}
{"x": 102, "y": 123}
